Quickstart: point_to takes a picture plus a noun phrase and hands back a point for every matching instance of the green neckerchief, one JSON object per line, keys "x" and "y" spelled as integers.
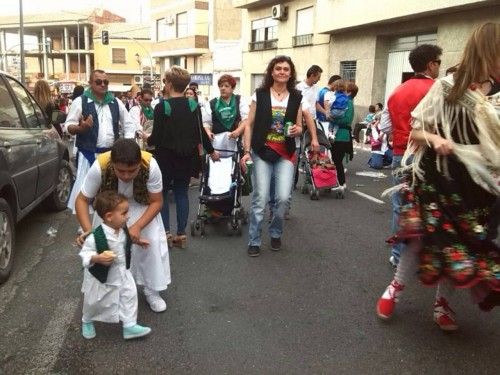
{"x": 148, "y": 111}
{"x": 226, "y": 113}
{"x": 108, "y": 97}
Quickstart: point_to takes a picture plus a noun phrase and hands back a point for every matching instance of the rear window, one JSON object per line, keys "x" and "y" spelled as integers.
{"x": 33, "y": 118}
{"x": 9, "y": 118}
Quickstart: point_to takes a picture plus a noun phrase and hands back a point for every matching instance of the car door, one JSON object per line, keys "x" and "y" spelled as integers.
{"x": 18, "y": 148}
{"x": 45, "y": 137}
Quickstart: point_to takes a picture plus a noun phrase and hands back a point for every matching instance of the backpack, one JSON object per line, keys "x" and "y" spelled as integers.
{"x": 339, "y": 106}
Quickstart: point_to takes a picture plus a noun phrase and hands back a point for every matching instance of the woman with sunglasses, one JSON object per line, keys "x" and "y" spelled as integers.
{"x": 269, "y": 141}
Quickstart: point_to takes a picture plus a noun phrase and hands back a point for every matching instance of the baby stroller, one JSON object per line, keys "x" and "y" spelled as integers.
{"x": 320, "y": 172}
{"x": 220, "y": 189}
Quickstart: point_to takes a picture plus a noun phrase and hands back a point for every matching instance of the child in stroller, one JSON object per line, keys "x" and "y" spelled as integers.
{"x": 320, "y": 173}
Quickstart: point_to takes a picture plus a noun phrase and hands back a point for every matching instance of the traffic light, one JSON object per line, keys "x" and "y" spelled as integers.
{"x": 105, "y": 37}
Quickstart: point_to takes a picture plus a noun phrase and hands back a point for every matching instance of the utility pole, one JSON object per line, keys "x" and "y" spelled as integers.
{"x": 21, "y": 37}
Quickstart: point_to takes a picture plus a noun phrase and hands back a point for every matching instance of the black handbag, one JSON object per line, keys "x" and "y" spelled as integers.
{"x": 266, "y": 153}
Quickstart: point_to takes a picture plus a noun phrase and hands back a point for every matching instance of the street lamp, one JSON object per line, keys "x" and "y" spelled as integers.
{"x": 21, "y": 37}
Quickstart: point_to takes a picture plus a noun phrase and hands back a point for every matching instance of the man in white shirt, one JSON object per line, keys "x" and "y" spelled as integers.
{"x": 142, "y": 115}
{"x": 97, "y": 119}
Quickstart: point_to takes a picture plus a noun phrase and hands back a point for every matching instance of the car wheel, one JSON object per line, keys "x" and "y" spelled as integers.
{"x": 58, "y": 199}
{"x": 7, "y": 235}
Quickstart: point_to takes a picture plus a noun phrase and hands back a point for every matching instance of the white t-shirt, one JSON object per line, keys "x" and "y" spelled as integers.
{"x": 92, "y": 182}
{"x": 275, "y": 103}
{"x": 105, "y": 136}
{"x": 329, "y": 99}
{"x": 310, "y": 94}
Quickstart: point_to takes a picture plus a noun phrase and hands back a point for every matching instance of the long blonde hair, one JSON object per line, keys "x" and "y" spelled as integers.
{"x": 478, "y": 60}
{"x": 42, "y": 93}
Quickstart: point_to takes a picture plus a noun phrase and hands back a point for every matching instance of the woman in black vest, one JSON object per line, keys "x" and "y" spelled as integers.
{"x": 177, "y": 134}
{"x": 275, "y": 111}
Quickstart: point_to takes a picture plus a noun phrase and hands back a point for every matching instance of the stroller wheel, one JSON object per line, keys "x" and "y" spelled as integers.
{"x": 305, "y": 189}
{"x": 233, "y": 226}
{"x": 197, "y": 228}
{"x": 314, "y": 194}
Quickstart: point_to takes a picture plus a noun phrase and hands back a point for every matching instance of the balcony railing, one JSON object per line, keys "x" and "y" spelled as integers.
{"x": 263, "y": 45}
{"x": 302, "y": 40}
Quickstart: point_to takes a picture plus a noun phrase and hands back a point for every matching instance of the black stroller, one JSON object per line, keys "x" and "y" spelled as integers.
{"x": 220, "y": 194}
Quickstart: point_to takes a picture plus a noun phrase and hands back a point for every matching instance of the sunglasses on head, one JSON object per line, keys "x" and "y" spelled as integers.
{"x": 99, "y": 82}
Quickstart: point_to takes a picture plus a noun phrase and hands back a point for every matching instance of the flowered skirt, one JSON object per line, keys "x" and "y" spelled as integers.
{"x": 450, "y": 218}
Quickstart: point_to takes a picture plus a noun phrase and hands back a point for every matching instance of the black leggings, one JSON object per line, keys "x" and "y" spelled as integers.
{"x": 339, "y": 150}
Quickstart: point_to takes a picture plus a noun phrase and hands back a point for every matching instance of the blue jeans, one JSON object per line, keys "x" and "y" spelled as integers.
{"x": 263, "y": 172}
{"x": 376, "y": 161}
{"x": 396, "y": 199}
{"x": 180, "y": 189}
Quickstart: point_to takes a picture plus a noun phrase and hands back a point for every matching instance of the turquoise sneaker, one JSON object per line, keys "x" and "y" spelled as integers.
{"x": 88, "y": 330}
{"x": 135, "y": 332}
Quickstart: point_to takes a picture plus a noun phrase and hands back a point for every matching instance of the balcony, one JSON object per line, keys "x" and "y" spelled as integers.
{"x": 302, "y": 40}
{"x": 263, "y": 45}
{"x": 190, "y": 45}
{"x": 252, "y": 4}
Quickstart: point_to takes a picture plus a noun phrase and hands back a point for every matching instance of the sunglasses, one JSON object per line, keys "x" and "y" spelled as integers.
{"x": 437, "y": 61}
{"x": 99, "y": 82}
{"x": 147, "y": 100}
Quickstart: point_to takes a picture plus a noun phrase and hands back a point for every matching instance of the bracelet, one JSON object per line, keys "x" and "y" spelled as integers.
{"x": 246, "y": 152}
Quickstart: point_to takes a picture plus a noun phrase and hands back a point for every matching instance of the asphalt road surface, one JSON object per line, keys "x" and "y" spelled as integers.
{"x": 308, "y": 309}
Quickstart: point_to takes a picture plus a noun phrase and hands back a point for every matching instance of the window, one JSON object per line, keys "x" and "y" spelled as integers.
{"x": 264, "y": 34}
{"x": 182, "y": 25}
{"x": 9, "y": 118}
{"x": 407, "y": 43}
{"x": 33, "y": 114}
{"x": 348, "y": 70}
{"x": 257, "y": 80}
{"x": 161, "y": 29}
{"x": 118, "y": 55}
{"x": 304, "y": 27}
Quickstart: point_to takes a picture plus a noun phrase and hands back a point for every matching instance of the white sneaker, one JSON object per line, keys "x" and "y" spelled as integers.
{"x": 156, "y": 303}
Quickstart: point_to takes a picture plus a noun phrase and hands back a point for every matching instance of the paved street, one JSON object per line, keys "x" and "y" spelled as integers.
{"x": 308, "y": 309}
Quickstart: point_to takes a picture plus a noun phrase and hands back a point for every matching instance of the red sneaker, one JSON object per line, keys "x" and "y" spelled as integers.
{"x": 444, "y": 316}
{"x": 386, "y": 303}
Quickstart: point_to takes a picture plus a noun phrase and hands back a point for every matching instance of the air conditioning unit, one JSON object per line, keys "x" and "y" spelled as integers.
{"x": 169, "y": 20}
{"x": 138, "y": 80}
{"x": 279, "y": 12}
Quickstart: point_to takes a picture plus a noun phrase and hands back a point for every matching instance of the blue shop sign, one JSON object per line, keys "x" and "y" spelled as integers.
{"x": 202, "y": 79}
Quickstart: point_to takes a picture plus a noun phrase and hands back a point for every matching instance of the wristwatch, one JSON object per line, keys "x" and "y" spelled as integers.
{"x": 246, "y": 152}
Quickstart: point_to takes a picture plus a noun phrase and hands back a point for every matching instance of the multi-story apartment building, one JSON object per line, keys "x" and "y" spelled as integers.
{"x": 364, "y": 40}
{"x": 127, "y": 58}
{"x": 202, "y": 36}
{"x": 271, "y": 28}
{"x": 61, "y": 47}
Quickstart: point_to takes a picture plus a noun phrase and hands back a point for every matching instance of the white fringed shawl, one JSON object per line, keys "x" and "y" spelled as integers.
{"x": 481, "y": 160}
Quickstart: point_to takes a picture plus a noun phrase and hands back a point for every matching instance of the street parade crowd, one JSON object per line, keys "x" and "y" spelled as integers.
{"x": 440, "y": 136}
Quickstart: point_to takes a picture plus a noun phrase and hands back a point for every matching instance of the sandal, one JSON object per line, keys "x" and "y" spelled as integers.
{"x": 180, "y": 241}
{"x": 170, "y": 239}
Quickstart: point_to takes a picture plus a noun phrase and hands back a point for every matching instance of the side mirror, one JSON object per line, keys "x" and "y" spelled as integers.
{"x": 58, "y": 117}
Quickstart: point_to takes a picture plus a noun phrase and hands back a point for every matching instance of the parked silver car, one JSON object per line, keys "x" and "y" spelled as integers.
{"x": 34, "y": 163}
